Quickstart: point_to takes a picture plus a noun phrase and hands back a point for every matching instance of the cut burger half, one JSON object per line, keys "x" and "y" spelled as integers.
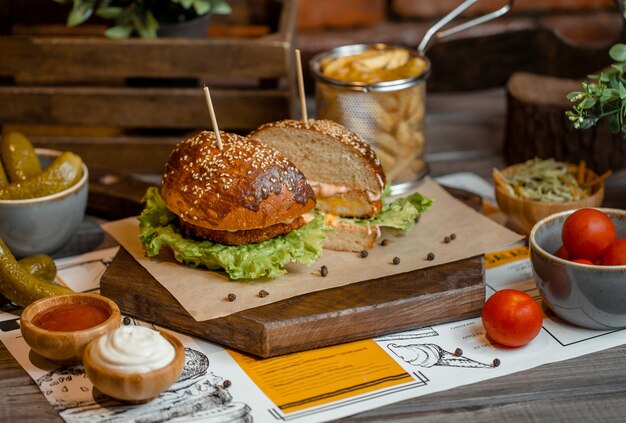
{"x": 239, "y": 208}
{"x": 348, "y": 180}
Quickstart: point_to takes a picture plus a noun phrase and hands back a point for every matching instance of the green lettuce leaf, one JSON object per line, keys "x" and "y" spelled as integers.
{"x": 159, "y": 228}
{"x": 400, "y": 213}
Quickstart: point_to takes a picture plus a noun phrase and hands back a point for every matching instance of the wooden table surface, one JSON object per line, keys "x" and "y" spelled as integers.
{"x": 464, "y": 133}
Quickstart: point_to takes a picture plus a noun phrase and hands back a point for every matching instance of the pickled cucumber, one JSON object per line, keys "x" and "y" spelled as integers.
{"x": 19, "y": 158}
{"x": 40, "y": 265}
{"x": 64, "y": 172}
{"x": 21, "y": 287}
{"x": 4, "y": 181}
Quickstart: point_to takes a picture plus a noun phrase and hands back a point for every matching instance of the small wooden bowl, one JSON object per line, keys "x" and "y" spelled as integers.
{"x": 522, "y": 214}
{"x": 135, "y": 388}
{"x": 66, "y": 347}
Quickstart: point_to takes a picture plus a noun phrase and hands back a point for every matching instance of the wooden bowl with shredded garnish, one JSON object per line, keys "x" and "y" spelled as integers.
{"x": 528, "y": 192}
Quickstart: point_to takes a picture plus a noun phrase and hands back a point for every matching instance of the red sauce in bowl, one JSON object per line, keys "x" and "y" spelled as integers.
{"x": 71, "y": 317}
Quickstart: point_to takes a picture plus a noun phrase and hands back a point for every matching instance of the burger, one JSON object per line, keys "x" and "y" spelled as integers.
{"x": 239, "y": 208}
{"x": 347, "y": 178}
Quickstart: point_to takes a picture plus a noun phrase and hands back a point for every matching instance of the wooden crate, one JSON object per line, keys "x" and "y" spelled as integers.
{"x": 145, "y": 93}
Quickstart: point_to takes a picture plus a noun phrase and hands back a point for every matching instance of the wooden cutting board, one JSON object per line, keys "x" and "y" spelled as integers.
{"x": 395, "y": 303}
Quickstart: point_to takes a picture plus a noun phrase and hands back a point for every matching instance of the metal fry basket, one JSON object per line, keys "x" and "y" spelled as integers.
{"x": 388, "y": 114}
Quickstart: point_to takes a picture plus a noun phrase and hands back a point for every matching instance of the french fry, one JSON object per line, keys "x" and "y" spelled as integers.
{"x": 404, "y": 133}
{"x": 386, "y": 121}
{"x": 360, "y": 124}
{"x": 413, "y": 105}
{"x": 404, "y": 105}
{"x": 418, "y": 165}
{"x": 333, "y": 66}
{"x": 499, "y": 179}
{"x": 387, "y": 142}
{"x": 417, "y": 116}
{"x": 597, "y": 180}
{"x": 397, "y": 58}
{"x": 373, "y": 62}
{"x": 388, "y": 102}
{"x": 582, "y": 171}
{"x": 417, "y": 140}
{"x": 399, "y": 167}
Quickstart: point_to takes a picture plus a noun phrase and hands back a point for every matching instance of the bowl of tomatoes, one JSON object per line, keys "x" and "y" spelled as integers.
{"x": 579, "y": 263}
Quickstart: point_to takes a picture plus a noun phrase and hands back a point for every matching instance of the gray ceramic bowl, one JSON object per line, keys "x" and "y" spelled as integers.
{"x": 44, "y": 224}
{"x": 586, "y": 295}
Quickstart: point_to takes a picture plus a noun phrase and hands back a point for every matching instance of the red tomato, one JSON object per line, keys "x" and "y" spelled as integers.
{"x": 512, "y": 318}
{"x": 616, "y": 255}
{"x": 588, "y": 233}
{"x": 562, "y": 253}
{"x": 582, "y": 261}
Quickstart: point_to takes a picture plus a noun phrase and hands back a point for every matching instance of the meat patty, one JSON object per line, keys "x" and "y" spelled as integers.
{"x": 240, "y": 237}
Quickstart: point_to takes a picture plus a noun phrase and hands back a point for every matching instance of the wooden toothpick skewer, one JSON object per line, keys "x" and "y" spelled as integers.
{"x": 305, "y": 117}
{"x": 209, "y": 104}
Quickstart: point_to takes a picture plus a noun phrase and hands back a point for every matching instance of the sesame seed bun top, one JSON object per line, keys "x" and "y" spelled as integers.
{"x": 246, "y": 185}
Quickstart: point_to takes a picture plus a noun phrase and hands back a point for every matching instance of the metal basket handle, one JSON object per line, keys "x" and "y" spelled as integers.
{"x": 435, "y": 29}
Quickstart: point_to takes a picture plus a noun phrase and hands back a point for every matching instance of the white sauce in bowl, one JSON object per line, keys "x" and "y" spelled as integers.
{"x": 132, "y": 349}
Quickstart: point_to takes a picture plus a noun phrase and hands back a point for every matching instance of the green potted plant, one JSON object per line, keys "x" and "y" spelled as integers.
{"x": 603, "y": 97}
{"x": 148, "y": 18}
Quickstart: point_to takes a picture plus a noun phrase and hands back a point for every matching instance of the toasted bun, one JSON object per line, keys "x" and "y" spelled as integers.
{"x": 330, "y": 156}
{"x": 247, "y": 185}
{"x": 349, "y": 236}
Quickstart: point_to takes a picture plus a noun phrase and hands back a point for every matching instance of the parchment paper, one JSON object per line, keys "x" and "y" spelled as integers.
{"x": 204, "y": 293}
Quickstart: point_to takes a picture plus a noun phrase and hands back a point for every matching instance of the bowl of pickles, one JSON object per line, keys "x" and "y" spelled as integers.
{"x": 530, "y": 191}
{"x": 43, "y": 196}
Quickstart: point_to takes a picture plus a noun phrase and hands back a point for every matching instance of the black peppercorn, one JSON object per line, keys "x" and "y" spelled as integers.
{"x": 396, "y": 260}
{"x": 324, "y": 271}
{"x": 263, "y": 293}
{"x": 458, "y": 352}
{"x": 232, "y": 297}
{"x": 226, "y": 384}
{"x": 496, "y": 362}
{"x": 446, "y": 240}
{"x": 430, "y": 256}
{"x": 364, "y": 253}
{"x": 126, "y": 321}
{"x": 452, "y": 236}
{"x": 384, "y": 242}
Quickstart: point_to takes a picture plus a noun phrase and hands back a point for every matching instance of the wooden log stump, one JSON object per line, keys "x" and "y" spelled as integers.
{"x": 536, "y": 126}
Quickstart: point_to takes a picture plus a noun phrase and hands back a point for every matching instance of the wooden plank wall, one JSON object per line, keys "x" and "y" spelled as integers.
{"x": 139, "y": 97}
